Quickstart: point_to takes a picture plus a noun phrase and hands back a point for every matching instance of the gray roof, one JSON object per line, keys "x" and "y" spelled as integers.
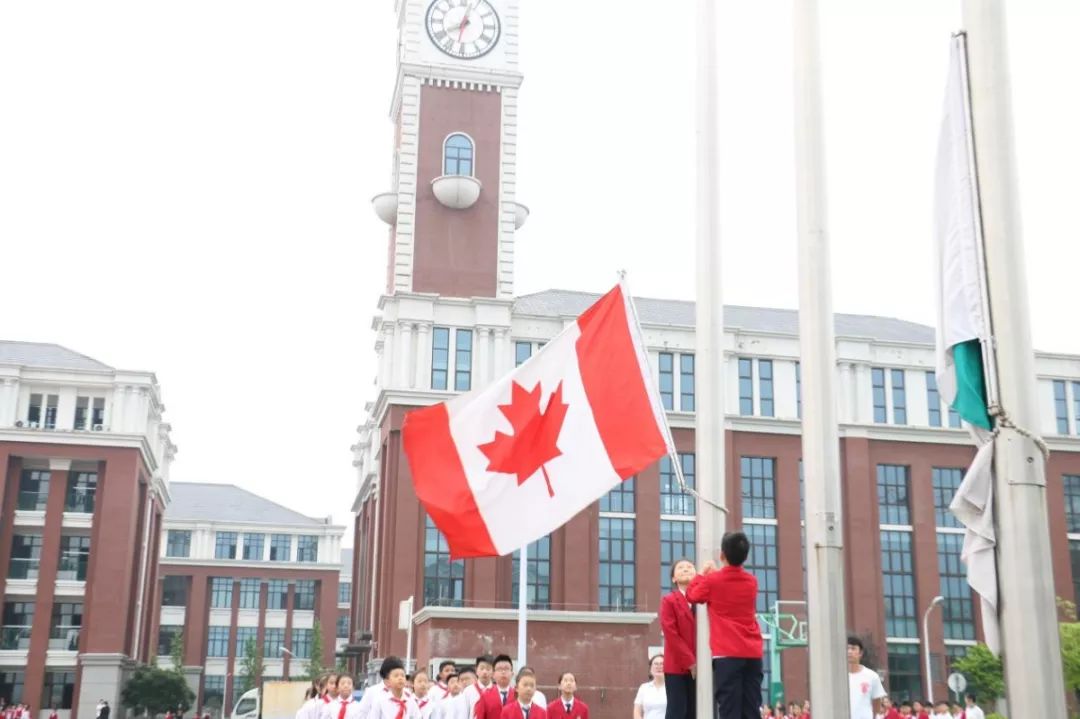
{"x": 44, "y": 354}
{"x": 229, "y": 503}
{"x": 568, "y": 303}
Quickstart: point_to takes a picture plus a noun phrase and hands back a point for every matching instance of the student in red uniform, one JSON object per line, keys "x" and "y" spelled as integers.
{"x": 566, "y": 705}
{"x": 734, "y": 635}
{"x": 502, "y": 693}
{"x": 680, "y": 634}
{"x": 919, "y": 708}
{"x": 53, "y": 714}
{"x": 521, "y": 705}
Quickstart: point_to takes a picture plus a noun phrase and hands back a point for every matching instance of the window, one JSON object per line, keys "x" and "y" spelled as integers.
{"x": 905, "y": 675}
{"x": 899, "y": 397}
{"x": 667, "y": 380}
{"x": 758, "y": 487}
{"x": 225, "y": 545}
{"x": 33, "y": 414}
{"x": 11, "y": 687}
{"x": 25, "y": 556}
{"x": 538, "y": 575}
{"x": 343, "y": 626}
{"x": 444, "y": 580}
{"x": 81, "y": 492}
{"x": 672, "y": 499}
{"x": 178, "y": 543}
{"x": 174, "y": 592}
{"x": 273, "y": 641}
{"x": 946, "y": 482}
{"x": 18, "y": 619}
{"x": 677, "y": 541}
{"x": 66, "y": 623}
{"x": 277, "y": 594}
{"x": 877, "y": 381}
{"x": 304, "y": 596}
{"x": 764, "y": 564}
{"x": 217, "y": 642}
{"x": 249, "y": 593}
{"x": 253, "y": 546}
{"x": 765, "y": 381}
{"x": 243, "y": 636}
{"x": 798, "y": 390}
{"x": 1061, "y": 407}
{"x": 35, "y": 418}
{"x": 617, "y": 564}
{"x": 892, "y": 492}
{"x": 344, "y": 592}
{"x": 959, "y": 610}
{"x": 440, "y": 357}
{"x": 463, "y": 361}
{"x": 1074, "y": 558}
{"x": 221, "y": 592}
{"x": 74, "y": 557}
{"x": 33, "y": 490}
{"x": 933, "y": 399}
{"x": 307, "y": 548}
{"x": 899, "y": 585}
{"x": 59, "y": 690}
{"x": 954, "y": 418}
{"x": 280, "y": 547}
{"x": 214, "y": 691}
{"x": 686, "y": 383}
{"x": 522, "y": 352}
{"x": 620, "y": 499}
{"x": 301, "y": 643}
{"x": 746, "y": 386}
{"x": 1076, "y": 404}
{"x": 166, "y": 632}
{"x": 89, "y": 408}
{"x": 458, "y": 155}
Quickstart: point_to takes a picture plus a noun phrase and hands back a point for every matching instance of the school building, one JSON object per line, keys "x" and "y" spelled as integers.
{"x": 449, "y": 322}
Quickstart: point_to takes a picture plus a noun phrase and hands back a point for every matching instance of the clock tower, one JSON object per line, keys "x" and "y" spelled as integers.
{"x": 451, "y": 207}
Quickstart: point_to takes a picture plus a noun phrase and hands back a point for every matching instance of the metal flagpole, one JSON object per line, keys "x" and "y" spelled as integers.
{"x": 709, "y": 431}
{"x": 523, "y": 591}
{"x": 820, "y": 437}
{"x": 1030, "y": 642}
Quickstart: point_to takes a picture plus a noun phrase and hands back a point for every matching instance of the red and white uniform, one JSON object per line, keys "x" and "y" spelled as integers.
{"x": 385, "y": 705}
{"x": 472, "y": 695}
{"x": 578, "y": 709}
{"x": 341, "y": 709}
{"x": 438, "y": 691}
{"x": 426, "y": 705}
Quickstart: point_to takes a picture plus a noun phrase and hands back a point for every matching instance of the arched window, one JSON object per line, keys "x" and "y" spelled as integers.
{"x": 458, "y": 155}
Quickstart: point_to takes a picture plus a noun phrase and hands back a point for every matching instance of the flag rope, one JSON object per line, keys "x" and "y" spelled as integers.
{"x": 1005, "y": 422}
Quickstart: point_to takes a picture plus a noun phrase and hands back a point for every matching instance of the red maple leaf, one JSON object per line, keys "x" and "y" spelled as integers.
{"x": 535, "y": 437}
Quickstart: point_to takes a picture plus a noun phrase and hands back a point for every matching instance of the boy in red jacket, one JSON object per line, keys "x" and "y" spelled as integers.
{"x": 734, "y": 635}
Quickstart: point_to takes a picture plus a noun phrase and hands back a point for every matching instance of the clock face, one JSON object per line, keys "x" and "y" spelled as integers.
{"x": 465, "y": 29}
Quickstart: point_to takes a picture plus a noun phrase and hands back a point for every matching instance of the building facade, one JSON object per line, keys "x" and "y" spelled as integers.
{"x": 85, "y": 458}
{"x": 236, "y": 567}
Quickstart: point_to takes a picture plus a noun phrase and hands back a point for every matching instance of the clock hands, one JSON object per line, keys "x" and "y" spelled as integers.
{"x": 465, "y": 19}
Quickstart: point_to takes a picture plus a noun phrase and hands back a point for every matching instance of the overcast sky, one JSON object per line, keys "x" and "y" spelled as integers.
{"x": 185, "y": 186}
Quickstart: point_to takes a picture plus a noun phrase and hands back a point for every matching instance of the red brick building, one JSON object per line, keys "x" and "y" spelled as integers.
{"x": 84, "y": 455}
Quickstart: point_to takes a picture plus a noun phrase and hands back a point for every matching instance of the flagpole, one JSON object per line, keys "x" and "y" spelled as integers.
{"x": 523, "y": 591}
{"x": 709, "y": 337}
{"x": 1030, "y": 642}
{"x": 817, "y": 347}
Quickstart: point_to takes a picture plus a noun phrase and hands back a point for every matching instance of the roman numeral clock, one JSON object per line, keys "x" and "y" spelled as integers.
{"x": 463, "y": 29}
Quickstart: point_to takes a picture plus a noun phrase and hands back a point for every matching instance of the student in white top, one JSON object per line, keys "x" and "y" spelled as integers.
{"x": 972, "y": 710}
{"x": 313, "y": 700}
{"x": 941, "y": 711}
{"x": 441, "y": 688}
{"x": 651, "y": 699}
{"x": 485, "y": 668}
{"x": 392, "y": 701}
{"x": 343, "y": 706}
{"x": 422, "y": 691}
{"x": 864, "y": 685}
{"x": 454, "y": 706}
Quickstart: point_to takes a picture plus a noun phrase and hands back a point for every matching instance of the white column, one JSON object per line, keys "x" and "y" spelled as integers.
{"x": 846, "y": 396}
{"x": 422, "y": 380}
{"x": 483, "y": 356}
{"x": 504, "y": 351}
{"x": 386, "y": 378}
{"x": 9, "y": 401}
{"x": 403, "y": 371}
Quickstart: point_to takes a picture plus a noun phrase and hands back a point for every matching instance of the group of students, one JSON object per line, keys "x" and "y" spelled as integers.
{"x": 17, "y": 711}
{"x": 486, "y": 690}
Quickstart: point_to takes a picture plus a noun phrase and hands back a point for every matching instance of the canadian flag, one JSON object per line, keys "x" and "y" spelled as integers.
{"x": 506, "y": 464}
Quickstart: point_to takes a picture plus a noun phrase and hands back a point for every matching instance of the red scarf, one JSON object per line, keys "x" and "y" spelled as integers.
{"x": 423, "y": 703}
{"x": 400, "y": 708}
{"x": 326, "y": 698}
{"x": 344, "y": 706}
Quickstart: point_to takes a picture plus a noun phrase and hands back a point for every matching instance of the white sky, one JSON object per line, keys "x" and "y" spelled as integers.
{"x": 184, "y": 188}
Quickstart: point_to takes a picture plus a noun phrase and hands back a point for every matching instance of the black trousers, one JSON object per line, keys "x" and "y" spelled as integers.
{"x": 680, "y": 696}
{"x": 737, "y": 687}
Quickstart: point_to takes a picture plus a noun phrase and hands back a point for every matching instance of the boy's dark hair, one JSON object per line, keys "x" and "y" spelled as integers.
{"x": 854, "y": 641}
{"x": 503, "y": 658}
{"x": 466, "y": 670}
{"x": 563, "y": 676}
{"x": 390, "y": 664}
{"x": 971, "y": 696}
{"x": 525, "y": 672}
{"x": 907, "y": 704}
{"x": 446, "y": 663}
{"x": 736, "y": 548}
{"x": 485, "y": 659}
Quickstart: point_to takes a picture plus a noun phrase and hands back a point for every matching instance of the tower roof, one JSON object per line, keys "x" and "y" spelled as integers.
{"x": 46, "y": 355}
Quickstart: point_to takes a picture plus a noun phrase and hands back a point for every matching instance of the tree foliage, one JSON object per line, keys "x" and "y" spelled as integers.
{"x": 251, "y": 666}
{"x": 176, "y": 652}
{"x": 984, "y": 673}
{"x": 155, "y": 691}
{"x": 1070, "y": 646}
{"x": 315, "y": 667}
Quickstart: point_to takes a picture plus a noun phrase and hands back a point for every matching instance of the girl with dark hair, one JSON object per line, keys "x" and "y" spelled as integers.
{"x": 651, "y": 699}
{"x": 680, "y": 635}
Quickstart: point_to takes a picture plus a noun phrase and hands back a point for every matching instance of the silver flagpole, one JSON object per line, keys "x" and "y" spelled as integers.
{"x": 817, "y": 347}
{"x": 523, "y": 592}
{"x": 709, "y": 339}
{"x": 1031, "y": 647}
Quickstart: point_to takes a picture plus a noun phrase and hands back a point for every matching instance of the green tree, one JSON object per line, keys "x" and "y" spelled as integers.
{"x": 251, "y": 666}
{"x": 315, "y": 667}
{"x": 1070, "y": 646}
{"x": 176, "y": 653}
{"x": 984, "y": 673}
{"x": 155, "y": 691}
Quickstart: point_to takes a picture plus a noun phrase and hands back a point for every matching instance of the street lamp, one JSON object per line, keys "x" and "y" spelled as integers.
{"x": 926, "y": 647}
{"x": 295, "y": 657}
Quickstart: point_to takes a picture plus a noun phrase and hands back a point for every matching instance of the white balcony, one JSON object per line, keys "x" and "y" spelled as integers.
{"x": 386, "y": 205}
{"x": 458, "y": 192}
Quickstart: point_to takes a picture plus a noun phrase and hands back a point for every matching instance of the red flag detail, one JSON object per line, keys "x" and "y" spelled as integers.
{"x": 535, "y": 438}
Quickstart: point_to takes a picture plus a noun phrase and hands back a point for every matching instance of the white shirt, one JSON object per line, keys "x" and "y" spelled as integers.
{"x": 652, "y": 699}
{"x": 865, "y": 686}
{"x": 426, "y": 705}
{"x": 310, "y": 709}
{"x": 472, "y": 696}
{"x": 384, "y": 706}
{"x": 453, "y": 708}
{"x": 540, "y": 700}
{"x": 333, "y": 709}
{"x": 973, "y": 712}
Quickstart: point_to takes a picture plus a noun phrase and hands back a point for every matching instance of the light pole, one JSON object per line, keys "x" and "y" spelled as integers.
{"x": 295, "y": 657}
{"x": 926, "y": 647}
